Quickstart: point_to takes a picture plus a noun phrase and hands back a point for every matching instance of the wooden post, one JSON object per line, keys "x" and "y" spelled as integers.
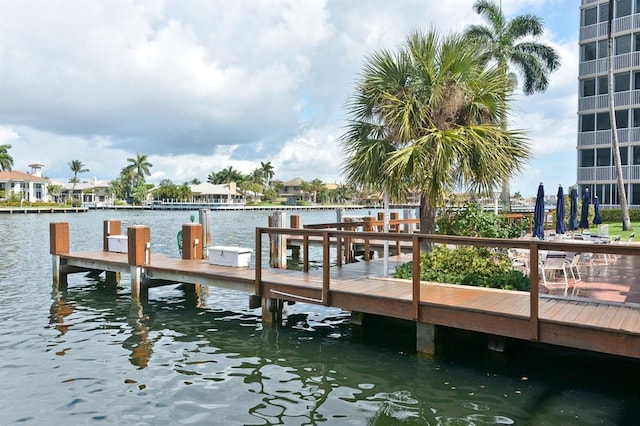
{"x": 110, "y": 227}
{"x": 139, "y": 255}
{"x": 278, "y": 258}
{"x": 326, "y": 272}
{"x": 395, "y": 228}
{"x": 192, "y": 241}
{"x": 368, "y": 227}
{"x": 534, "y": 278}
{"x": 205, "y": 221}
{"x": 295, "y": 221}
{"x": 58, "y": 244}
{"x": 425, "y": 338}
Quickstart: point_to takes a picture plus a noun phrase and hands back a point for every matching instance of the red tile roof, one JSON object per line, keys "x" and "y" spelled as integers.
{"x": 14, "y": 175}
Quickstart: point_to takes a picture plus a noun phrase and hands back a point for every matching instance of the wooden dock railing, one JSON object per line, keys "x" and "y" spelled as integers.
{"x": 331, "y": 237}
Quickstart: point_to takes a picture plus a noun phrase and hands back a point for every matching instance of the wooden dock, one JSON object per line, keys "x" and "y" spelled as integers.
{"x": 604, "y": 326}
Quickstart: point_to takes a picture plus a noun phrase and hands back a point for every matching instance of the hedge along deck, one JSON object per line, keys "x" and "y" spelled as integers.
{"x": 596, "y": 325}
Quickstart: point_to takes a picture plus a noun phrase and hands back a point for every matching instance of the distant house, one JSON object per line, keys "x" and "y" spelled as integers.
{"x": 90, "y": 192}
{"x": 292, "y": 191}
{"x": 209, "y": 193}
{"x": 27, "y": 186}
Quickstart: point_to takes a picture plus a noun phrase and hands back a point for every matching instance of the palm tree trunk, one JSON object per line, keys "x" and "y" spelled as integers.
{"x": 622, "y": 194}
{"x": 427, "y": 220}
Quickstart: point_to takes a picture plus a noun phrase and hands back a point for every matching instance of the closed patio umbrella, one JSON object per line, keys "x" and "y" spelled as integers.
{"x": 538, "y": 214}
{"x": 560, "y": 226}
{"x": 597, "y": 220}
{"x": 584, "y": 211}
{"x": 573, "y": 210}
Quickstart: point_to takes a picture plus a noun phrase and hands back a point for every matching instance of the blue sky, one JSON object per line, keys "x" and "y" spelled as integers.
{"x": 201, "y": 85}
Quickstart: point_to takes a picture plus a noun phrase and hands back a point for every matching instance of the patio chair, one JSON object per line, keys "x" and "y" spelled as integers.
{"x": 573, "y": 261}
{"x": 553, "y": 262}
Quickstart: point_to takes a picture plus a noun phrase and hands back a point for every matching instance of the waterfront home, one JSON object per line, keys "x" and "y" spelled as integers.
{"x": 292, "y": 191}
{"x": 27, "y": 186}
{"x": 93, "y": 192}
{"x": 209, "y": 193}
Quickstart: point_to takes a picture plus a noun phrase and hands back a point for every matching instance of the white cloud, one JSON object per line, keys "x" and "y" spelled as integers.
{"x": 201, "y": 85}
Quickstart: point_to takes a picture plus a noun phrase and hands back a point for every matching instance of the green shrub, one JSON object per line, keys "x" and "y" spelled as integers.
{"x": 473, "y": 221}
{"x": 476, "y": 266}
{"x": 615, "y": 215}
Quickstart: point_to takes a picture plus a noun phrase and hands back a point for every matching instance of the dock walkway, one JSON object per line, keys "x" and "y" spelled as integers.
{"x": 577, "y": 322}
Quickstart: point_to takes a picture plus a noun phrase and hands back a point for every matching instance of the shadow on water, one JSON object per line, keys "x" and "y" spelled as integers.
{"x": 317, "y": 367}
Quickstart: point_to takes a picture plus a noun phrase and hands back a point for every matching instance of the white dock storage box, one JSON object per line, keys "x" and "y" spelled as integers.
{"x": 229, "y": 256}
{"x": 117, "y": 243}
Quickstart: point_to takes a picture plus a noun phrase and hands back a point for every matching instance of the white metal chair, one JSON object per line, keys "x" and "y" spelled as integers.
{"x": 553, "y": 262}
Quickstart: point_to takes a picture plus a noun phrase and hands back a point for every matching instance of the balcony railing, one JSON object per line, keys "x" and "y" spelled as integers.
{"x": 603, "y": 137}
{"x": 626, "y": 98}
{"x": 608, "y": 173}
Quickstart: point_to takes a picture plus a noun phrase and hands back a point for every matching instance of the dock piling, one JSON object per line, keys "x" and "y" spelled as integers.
{"x": 111, "y": 227}
{"x": 138, "y": 255}
{"x": 192, "y": 241}
{"x": 58, "y": 244}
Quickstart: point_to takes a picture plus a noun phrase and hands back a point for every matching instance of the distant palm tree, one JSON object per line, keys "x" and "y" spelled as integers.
{"x": 141, "y": 167}
{"x": 211, "y": 178}
{"x": 228, "y": 175}
{"x": 513, "y": 43}
{"x": 195, "y": 181}
{"x": 426, "y": 118}
{"x": 267, "y": 172}
{"x": 6, "y": 160}
{"x": 76, "y": 167}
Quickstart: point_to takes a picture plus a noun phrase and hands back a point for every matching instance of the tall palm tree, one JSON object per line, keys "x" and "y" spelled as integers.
{"x": 427, "y": 118}
{"x": 211, "y": 178}
{"x": 228, "y": 175}
{"x": 615, "y": 144}
{"x": 6, "y": 160}
{"x": 76, "y": 167}
{"x": 268, "y": 172}
{"x": 512, "y": 43}
{"x": 141, "y": 167}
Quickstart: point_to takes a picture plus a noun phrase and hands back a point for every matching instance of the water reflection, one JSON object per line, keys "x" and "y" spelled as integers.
{"x": 87, "y": 353}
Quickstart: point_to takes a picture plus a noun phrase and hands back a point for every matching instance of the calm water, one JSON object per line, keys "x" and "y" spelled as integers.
{"x": 88, "y": 355}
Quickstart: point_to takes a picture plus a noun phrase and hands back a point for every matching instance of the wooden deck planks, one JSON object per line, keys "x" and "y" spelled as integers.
{"x": 360, "y": 286}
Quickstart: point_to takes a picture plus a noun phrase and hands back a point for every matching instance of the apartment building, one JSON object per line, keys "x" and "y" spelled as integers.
{"x": 596, "y": 169}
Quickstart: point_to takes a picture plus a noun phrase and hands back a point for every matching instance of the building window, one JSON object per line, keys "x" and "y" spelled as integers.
{"x": 603, "y": 157}
{"x": 636, "y": 117}
{"x": 603, "y": 49}
{"x": 603, "y": 83}
{"x": 604, "y": 12}
{"x": 606, "y": 197}
{"x": 636, "y": 156}
{"x": 622, "y": 82}
{"x": 588, "y": 87}
{"x": 587, "y": 123}
{"x": 589, "y": 16}
{"x": 623, "y": 8}
{"x": 602, "y": 121}
{"x": 635, "y": 194}
{"x": 636, "y": 80}
{"x": 586, "y": 158}
{"x": 589, "y": 51}
{"x": 623, "y": 44}
{"x": 622, "y": 119}
{"x": 624, "y": 155}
